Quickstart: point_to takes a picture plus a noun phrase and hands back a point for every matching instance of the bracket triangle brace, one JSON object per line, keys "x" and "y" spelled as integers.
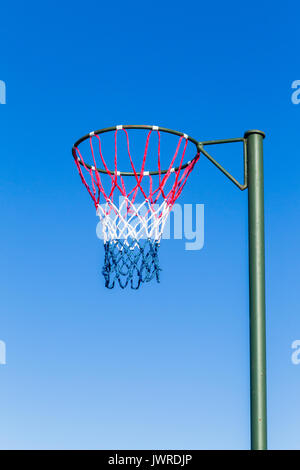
{"x": 200, "y": 146}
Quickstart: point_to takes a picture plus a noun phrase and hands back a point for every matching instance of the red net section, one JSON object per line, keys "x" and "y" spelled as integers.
{"x": 164, "y": 187}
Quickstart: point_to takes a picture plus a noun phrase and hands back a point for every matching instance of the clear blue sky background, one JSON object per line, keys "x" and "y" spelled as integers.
{"x": 167, "y": 366}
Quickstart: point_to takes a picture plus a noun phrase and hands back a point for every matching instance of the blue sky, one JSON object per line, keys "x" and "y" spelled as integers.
{"x": 167, "y": 366}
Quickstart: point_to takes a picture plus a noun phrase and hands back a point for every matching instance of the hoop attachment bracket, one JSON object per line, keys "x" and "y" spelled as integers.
{"x": 200, "y": 146}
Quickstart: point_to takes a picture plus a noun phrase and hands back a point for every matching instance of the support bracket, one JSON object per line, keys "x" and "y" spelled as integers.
{"x": 200, "y": 147}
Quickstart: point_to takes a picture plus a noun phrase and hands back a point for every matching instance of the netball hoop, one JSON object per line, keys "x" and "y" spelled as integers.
{"x": 132, "y": 230}
{"x": 133, "y": 206}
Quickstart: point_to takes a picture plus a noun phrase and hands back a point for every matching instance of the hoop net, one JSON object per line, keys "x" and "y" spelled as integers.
{"x": 131, "y": 229}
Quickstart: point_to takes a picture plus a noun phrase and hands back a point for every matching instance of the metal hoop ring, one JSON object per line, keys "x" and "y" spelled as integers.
{"x": 146, "y": 127}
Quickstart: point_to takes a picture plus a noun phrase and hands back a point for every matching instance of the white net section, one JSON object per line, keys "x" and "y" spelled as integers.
{"x": 133, "y": 221}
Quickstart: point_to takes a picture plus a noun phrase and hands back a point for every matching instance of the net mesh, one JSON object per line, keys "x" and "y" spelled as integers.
{"x": 131, "y": 229}
{"x": 130, "y": 262}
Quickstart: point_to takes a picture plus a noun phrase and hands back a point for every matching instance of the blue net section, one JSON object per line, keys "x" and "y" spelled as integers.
{"x": 130, "y": 262}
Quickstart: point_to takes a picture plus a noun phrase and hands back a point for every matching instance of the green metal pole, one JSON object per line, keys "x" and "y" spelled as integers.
{"x": 257, "y": 289}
